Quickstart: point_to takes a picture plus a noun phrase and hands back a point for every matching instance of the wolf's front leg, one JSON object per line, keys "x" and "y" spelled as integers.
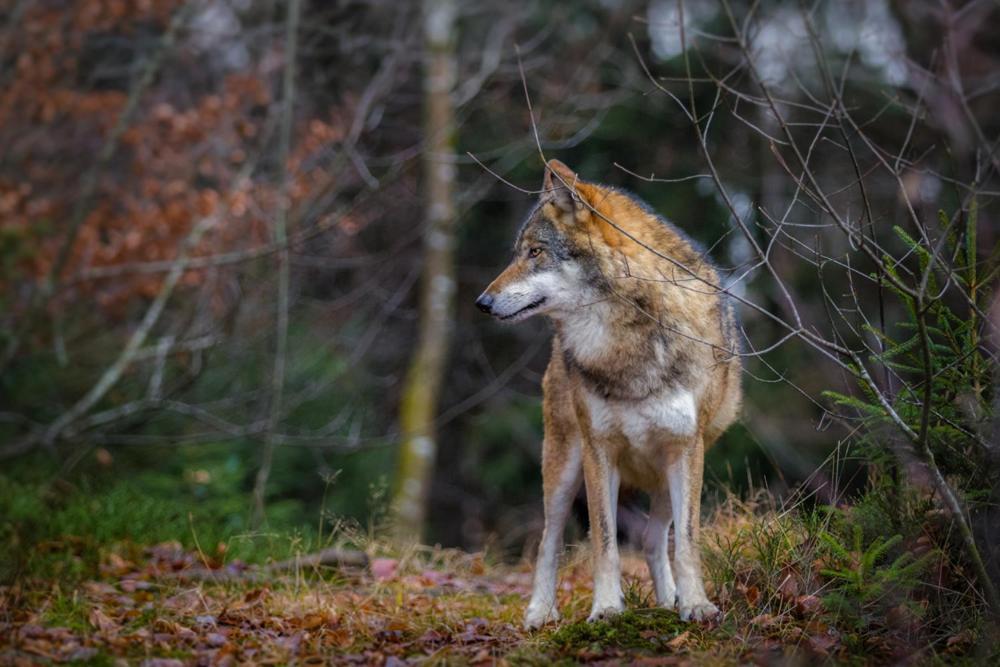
{"x": 684, "y": 477}
{"x": 601, "y": 479}
{"x": 560, "y": 479}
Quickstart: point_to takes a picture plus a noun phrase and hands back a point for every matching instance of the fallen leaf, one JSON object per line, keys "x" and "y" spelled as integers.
{"x": 789, "y": 587}
{"x": 82, "y": 654}
{"x": 679, "y": 640}
{"x": 257, "y": 594}
{"x": 384, "y": 568}
{"x": 99, "y": 589}
{"x": 822, "y": 643}
{"x": 961, "y": 640}
{"x": 481, "y": 657}
{"x": 816, "y": 626}
{"x": 215, "y": 639}
{"x": 433, "y": 637}
{"x": 99, "y": 620}
{"x": 808, "y": 605}
{"x": 133, "y": 585}
{"x": 763, "y": 620}
{"x": 434, "y": 578}
{"x": 317, "y": 620}
{"x": 900, "y": 617}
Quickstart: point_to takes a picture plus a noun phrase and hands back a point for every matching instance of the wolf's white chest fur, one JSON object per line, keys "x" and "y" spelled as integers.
{"x": 672, "y": 411}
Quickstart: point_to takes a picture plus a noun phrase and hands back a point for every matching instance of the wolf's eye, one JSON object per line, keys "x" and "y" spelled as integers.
{"x": 534, "y": 252}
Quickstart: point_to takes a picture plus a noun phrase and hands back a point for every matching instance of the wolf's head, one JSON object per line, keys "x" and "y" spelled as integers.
{"x": 550, "y": 269}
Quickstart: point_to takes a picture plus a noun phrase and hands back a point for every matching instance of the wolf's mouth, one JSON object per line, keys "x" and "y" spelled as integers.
{"x": 530, "y": 306}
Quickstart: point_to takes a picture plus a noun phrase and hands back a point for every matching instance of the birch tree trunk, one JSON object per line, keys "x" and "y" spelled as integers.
{"x": 423, "y": 380}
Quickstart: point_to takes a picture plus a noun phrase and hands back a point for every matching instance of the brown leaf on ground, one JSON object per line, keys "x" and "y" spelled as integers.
{"x": 256, "y": 595}
{"x": 100, "y": 621}
{"x": 764, "y": 620}
{"x": 960, "y": 641}
{"x": 162, "y": 662}
{"x": 808, "y": 605}
{"x": 680, "y": 640}
{"x": 822, "y": 644}
{"x": 789, "y": 588}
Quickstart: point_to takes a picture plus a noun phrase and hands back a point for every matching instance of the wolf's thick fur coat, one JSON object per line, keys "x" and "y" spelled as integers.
{"x": 644, "y": 375}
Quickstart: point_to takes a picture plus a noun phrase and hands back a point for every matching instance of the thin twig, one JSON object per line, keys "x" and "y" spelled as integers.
{"x": 280, "y": 237}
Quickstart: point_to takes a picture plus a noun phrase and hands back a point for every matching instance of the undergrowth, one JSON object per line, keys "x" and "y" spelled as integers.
{"x": 836, "y": 584}
{"x": 59, "y": 527}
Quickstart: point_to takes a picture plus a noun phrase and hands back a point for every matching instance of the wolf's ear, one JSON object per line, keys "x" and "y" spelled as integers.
{"x": 561, "y": 188}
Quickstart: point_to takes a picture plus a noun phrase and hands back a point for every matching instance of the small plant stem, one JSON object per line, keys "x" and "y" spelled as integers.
{"x": 280, "y": 237}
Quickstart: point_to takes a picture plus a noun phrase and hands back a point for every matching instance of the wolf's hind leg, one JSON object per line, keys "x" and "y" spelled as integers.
{"x": 562, "y": 473}
{"x": 655, "y": 545}
{"x": 684, "y": 477}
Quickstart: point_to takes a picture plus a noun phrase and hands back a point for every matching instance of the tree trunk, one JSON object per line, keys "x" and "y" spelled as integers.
{"x": 423, "y": 380}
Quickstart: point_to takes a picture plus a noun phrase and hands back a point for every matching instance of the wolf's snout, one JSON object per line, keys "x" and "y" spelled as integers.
{"x": 485, "y": 303}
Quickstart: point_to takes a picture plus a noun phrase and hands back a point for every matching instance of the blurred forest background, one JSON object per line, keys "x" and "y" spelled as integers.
{"x": 239, "y": 239}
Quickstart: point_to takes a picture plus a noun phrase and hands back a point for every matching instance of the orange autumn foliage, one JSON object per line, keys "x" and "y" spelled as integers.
{"x": 179, "y": 160}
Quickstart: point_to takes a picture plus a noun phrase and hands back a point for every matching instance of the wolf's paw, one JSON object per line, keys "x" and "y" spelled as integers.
{"x": 538, "y": 615}
{"x": 702, "y": 610}
{"x": 604, "y": 612}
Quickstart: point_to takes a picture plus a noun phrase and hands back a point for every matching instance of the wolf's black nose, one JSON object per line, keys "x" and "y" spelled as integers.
{"x": 485, "y": 303}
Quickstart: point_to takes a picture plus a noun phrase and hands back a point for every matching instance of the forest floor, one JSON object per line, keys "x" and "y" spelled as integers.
{"x": 165, "y": 605}
{"x": 161, "y": 605}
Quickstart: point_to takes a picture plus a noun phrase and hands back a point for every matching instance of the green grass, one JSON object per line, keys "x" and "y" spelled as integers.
{"x": 66, "y": 609}
{"x": 60, "y": 530}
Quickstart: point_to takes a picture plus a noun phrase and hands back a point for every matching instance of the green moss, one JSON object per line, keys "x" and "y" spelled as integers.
{"x": 101, "y": 659}
{"x": 641, "y": 629}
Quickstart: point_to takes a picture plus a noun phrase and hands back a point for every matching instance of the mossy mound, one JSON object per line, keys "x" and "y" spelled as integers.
{"x": 637, "y": 630}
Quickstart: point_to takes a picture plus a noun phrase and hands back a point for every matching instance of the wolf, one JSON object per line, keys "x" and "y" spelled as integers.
{"x": 644, "y": 375}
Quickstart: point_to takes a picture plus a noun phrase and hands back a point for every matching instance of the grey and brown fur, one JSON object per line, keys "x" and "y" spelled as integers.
{"x": 644, "y": 375}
